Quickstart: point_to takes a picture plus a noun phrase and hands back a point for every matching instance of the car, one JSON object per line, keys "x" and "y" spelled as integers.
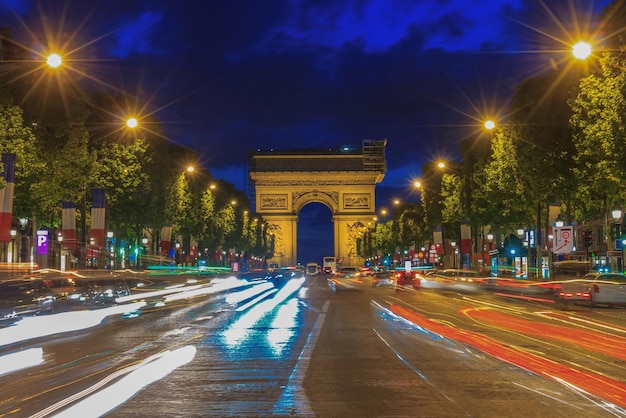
{"x": 595, "y": 288}
{"x": 349, "y": 270}
{"x": 406, "y": 280}
{"x": 71, "y": 292}
{"x": 345, "y": 278}
{"x": 367, "y": 272}
{"x": 606, "y": 288}
{"x": 312, "y": 269}
{"x": 27, "y": 296}
{"x": 327, "y": 270}
{"x": 383, "y": 278}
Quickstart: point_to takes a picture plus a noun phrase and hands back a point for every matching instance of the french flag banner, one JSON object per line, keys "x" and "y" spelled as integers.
{"x": 438, "y": 240}
{"x": 166, "y": 238}
{"x": 466, "y": 238}
{"x": 98, "y": 210}
{"x": 6, "y": 198}
{"x": 68, "y": 224}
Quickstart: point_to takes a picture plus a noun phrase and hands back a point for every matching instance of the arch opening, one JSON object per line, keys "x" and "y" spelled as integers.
{"x": 315, "y": 233}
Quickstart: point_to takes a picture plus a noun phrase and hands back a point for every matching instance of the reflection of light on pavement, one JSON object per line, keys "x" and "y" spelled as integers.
{"x": 220, "y": 286}
{"x": 20, "y": 360}
{"x": 585, "y": 382}
{"x": 137, "y": 377}
{"x": 240, "y": 329}
{"x": 235, "y": 298}
{"x": 41, "y": 326}
{"x": 283, "y": 325}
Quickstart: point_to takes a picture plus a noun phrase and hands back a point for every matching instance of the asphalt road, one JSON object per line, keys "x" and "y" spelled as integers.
{"x": 296, "y": 348}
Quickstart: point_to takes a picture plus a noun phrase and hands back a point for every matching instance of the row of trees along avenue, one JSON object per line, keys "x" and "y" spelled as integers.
{"x": 563, "y": 142}
{"x": 69, "y": 139}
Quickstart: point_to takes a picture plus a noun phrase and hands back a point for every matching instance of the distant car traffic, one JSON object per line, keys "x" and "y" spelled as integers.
{"x": 367, "y": 272}
{"x": 24, "y": 297}
{"x": 345, "y": 278}
{"x": 71, "y": 292}
{"x": 383, "y": 278}
{"x": 312, "y": 269}
{"x": 407, "y": 280}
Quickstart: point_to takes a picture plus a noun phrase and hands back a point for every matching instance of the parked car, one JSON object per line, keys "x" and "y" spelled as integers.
{"x": 26, "y": 296}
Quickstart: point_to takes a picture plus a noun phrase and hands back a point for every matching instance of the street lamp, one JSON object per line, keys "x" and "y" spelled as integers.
{"x": 54, "y": 60}
{"x": 132, "y": 123}
{"x": 581, "y": 50}
{"x": 559, "y": 222}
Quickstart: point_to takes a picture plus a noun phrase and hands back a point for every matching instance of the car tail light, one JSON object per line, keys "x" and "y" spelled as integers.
{"x": 596, "y": 289}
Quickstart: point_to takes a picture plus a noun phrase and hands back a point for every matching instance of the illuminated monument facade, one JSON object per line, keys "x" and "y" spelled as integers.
{"x": 343, "y": 180}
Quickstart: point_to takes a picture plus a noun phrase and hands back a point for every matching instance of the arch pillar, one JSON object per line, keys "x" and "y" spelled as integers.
{"x": 348, "y": 229}
{"x": 284, "y": 229}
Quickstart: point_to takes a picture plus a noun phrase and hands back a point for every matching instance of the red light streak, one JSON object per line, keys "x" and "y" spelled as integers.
{"x": 598, "y": 385}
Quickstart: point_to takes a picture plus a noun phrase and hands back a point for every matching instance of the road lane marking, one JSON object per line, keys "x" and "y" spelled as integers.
{"x": 293, "y": 400}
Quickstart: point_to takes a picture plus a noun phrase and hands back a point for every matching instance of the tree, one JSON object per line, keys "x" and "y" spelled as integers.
{"x": 600, "y": 137}
{"x": 120, "y": 169}
{"x": 412, "y": 230}
{"x": 17, "y": 139}
{"x": 506, "y": 179}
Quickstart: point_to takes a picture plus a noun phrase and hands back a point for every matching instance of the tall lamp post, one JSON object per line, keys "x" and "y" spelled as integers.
{"x": 61, "y": 259}
{"x": 617, "y": 217}
{"x": 144, "y": 241}
{"x": 454, "y": 253}
{"x": 13, "y": 235}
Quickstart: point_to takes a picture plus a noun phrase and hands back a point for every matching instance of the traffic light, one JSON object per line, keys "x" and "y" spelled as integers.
{"x": 587, "y": 238}
{"x": 616, "y": 231}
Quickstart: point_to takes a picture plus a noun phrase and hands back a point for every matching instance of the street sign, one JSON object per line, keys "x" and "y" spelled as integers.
{"x": 42, "y": 242}
{"x": 563, "y": 242}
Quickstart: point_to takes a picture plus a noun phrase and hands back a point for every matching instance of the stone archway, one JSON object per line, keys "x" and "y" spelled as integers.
{"x": 343, "y": 180}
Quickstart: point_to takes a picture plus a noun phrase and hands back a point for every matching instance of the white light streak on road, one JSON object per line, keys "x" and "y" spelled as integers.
{"x": 282, "y": 328}
{"x": 41, "y": 326}
{"x": 256, "y": 300}
{"x": 20, "y": 360}
{"x": 221, "y": 286}
{"x": 155, "y": 293}
{"x": 138, "y": 377}
{"x": 235, "y": 298}
{"x": 240, "y": 329}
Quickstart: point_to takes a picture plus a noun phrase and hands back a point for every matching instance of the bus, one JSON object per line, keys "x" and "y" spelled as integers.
{"x": 329, "y": 265}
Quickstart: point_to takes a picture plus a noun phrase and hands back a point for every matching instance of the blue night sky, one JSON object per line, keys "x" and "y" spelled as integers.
{"x": 227, "y": 77}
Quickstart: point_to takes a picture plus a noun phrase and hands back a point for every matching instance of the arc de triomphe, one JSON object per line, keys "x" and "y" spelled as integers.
{"x": 343, "y": 180}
